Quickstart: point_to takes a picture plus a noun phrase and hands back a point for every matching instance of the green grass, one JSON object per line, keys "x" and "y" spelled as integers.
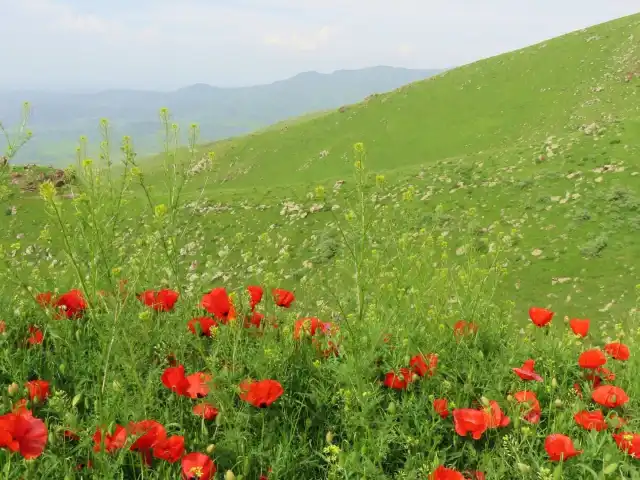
{"x": 455, "y": 215}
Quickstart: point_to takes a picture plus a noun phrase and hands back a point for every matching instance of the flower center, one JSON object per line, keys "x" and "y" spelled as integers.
{"x": 196, "y": 472}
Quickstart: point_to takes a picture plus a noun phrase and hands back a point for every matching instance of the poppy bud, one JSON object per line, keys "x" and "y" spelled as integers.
{"x": 13, "y": 388}
{"x": 210, "y": 448}
{"x": 558, "y": 402}
{"x": 485, "y": 401}
{"x": 391, "y": 408}
{"x": 509, "y": 398}
{"x": 609, "y": 469}
{"x": 554, "y": 383}
{"x": 523, "y": 467}
{"x": 229, "y": 475}
{"x": 329, "y": 437}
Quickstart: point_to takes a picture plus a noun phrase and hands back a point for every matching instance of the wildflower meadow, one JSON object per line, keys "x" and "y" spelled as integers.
{"x": 470, "y": 319}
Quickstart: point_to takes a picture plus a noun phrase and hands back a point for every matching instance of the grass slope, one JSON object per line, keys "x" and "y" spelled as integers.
{"x": 507, "y": 102}
{"x": 477, "y": 135}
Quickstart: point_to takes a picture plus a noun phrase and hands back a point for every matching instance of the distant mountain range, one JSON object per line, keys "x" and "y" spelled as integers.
{"x": 59, "y": 119}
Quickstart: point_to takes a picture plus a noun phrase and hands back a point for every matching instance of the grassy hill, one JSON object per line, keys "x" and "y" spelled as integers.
{"x": 505, "y": 184}
{"x": 544, "y": 139}
{"x": 506, "y": 102}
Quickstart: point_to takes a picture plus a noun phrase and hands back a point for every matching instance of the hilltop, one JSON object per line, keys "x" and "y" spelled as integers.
{"x": 59, "y": 119}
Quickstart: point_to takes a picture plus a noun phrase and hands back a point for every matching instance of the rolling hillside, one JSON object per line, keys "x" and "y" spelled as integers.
{"x": 511, "y": 101}
{"x": 542, "y": 141}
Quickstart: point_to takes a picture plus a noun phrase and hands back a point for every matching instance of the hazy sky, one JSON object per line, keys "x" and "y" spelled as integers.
{"x": 162, "y": 44}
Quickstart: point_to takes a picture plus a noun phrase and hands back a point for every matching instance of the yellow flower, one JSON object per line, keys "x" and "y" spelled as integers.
{"x": 47, "y": 191}
{"x": 160, "y": 210}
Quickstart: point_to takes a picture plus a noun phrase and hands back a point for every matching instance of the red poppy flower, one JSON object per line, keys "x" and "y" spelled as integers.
{"x": 198, "y": 384}
{"x": 527, "y": 372}
{"x": 593, "y": 358}
{"x": 469, "y": 420}
{"x": 312, "y": 327}
{"x": 580, "y": 326}
{"x": 560, "y": 447}
{"x": 218, "y": 303}
{"x": 147, "y": 433}
{"x": 628, "y": 443}
{"x": 424, "y": 365}
{"x": 462, "y": 328}
{"x": 71, "y": 435}
{"x": 206, "y": 411}
{"x": 197, "y": 466}
{"x": 174, "y": 379}
{"x": 3, "y": 326}
{"x": 24, "y": 433}
{"x": 38, "y": 390}
{"x": 590, "y": 420}
{"x": 617, "y": 350}
{"x": 35, "y": 336}
{"x": 495, "y": 416}
{"x": 444, "y": 473}
{"x": 161, "y": 301}
{"x": 261, "y": 393}
{"x": 609, "y": 396}
{"x": 112, "y": 442}
{"x": 283, "y": 298}
{"x": 71, "y": 304}
{"x": 170, "y": 449}
{"x": 45, "y": 299}
{"x": 255, "y": 319}
{"x": 255, "y": 295}
{"x": 306, "y": 326}
{"x": 532, "y": 415}
{"x": 205, "y": 324}
{"x": 398, "y": 381}
{"x": 540, "y": 316}
{"x": 441, "y": 406}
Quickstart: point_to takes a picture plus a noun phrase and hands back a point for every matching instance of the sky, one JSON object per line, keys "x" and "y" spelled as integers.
{"x": 85, "y": 45}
